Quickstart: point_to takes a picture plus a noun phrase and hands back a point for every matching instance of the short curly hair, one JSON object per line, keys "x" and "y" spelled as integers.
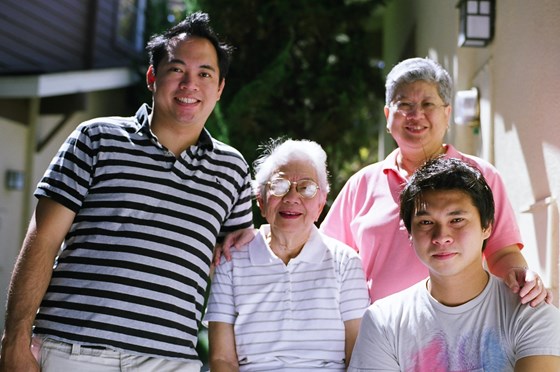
{"x": 419, "y": 69}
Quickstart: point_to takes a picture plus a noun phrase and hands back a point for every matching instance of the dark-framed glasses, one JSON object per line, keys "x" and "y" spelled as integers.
{"x": 407, "y": 108}
{"x": 281, "y": 186}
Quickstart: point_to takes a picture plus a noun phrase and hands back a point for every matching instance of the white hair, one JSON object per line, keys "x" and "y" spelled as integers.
{"x": 277, "y": 153}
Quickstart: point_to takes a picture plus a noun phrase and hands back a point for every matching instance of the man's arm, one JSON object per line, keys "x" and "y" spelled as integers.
{"x": 509, "y": 264}
{"x": 223, "y": 355}
{"x": 538, "y": 363}
{"x": 30, "y": 279}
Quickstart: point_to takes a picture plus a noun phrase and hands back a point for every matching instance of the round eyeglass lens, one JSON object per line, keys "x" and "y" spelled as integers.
{"x": 307, "y": 188}
{"x": 279, "y": 186}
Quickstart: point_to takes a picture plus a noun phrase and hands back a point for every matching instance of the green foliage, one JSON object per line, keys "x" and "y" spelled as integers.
{"x": 301, "y": 69}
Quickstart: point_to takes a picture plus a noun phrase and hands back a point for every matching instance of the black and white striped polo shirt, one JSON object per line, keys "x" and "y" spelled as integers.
{"x": 134, "y": 266}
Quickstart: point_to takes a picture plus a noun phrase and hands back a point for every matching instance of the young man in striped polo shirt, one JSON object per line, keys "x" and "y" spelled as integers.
{"x": 137, "y": 205}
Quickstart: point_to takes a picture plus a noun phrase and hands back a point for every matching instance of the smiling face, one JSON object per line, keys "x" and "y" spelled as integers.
{"x": 292, "y": 213}
{"x": 418, "y": 130}
{"x": 447, "y": 234}
{"x": 186, "y": 86}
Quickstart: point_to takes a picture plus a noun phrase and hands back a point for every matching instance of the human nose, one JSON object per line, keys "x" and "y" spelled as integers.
{"x": 292, "y": 194}
{"x": 188, "y": 82}
{"x": 441, "y": 236}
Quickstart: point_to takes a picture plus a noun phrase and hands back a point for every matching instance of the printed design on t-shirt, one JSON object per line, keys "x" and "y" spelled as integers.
{"x": 472, "y": 351}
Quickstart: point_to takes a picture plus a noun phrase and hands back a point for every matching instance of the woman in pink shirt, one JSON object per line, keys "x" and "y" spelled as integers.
{"x": 365, "y": 214}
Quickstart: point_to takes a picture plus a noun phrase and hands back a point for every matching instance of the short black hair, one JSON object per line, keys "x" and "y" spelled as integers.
{"x": 447, "y": 174}
{"x": 198, "y": 25}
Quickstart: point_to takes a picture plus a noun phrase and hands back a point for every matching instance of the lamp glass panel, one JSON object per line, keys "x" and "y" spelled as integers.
{"x": 485, "y": 7}
{"x": 478, "y": 27}
{"x": 472, "y": 7}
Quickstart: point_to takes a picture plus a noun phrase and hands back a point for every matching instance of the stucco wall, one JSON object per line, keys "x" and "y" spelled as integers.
{"x": 518, "y": 79}
{"x": 527, "y": 130}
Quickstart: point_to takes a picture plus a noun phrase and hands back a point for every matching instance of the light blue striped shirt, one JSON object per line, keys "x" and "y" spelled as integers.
{"x": 289, "y": 317}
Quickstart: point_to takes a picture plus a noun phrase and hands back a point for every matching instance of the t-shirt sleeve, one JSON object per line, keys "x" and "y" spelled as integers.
{"x": 221, "y": 306}
{"x": 537, "y": 331}
{"x": 354, "y": 296}
{"x": 372, "y": 351}
{"x": 68, "y": 178}
{"x": 241, "y": 215}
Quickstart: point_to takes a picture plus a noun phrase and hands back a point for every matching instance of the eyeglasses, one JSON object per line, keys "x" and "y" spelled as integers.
{"x": 281, "y": 186}
{"x": 406, "y": 108}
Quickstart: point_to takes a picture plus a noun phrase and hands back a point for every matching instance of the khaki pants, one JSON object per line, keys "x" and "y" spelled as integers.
{"x": 55, "y": 356}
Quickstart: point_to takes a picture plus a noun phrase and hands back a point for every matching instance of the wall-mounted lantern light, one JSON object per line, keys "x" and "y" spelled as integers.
{"x": 466, "y": 108}
{"x": 14, "y": 179}
{"x": 476, "y": 22}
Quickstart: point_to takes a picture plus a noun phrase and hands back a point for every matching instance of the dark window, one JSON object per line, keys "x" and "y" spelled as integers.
{"x": 130, "y": 24}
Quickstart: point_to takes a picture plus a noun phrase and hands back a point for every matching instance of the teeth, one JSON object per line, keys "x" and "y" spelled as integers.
{"x": 187, "y": 100}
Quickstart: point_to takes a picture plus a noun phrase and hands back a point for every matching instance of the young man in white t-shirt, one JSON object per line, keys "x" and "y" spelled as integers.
{"x": 461, "y": 318}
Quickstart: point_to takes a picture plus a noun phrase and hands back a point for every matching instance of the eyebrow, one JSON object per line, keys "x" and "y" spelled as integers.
{"x": 203, "y": 66}
{"x": 424, "y": 212}
{"x": 404, "y": 96}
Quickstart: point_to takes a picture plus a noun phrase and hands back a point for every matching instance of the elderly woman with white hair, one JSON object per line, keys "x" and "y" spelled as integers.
{"x": 292, "y": 298}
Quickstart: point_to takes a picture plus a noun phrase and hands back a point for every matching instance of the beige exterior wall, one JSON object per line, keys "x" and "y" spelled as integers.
{"x": 13, "y": 149}
{"x": 518, "y": 78}
{"x": 11, "y": 158}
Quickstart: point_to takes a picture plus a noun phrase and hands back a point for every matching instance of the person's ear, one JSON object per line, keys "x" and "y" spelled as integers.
{"x": 447, "y": 111}
{"x": 321, "y": 206}
{"x": 150, "y": 78}
{"x": 262, "y": 205}
{"x": 221, "y": 88}
{"x": 386, "y": 112}
{"x": 486, "y": 232}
